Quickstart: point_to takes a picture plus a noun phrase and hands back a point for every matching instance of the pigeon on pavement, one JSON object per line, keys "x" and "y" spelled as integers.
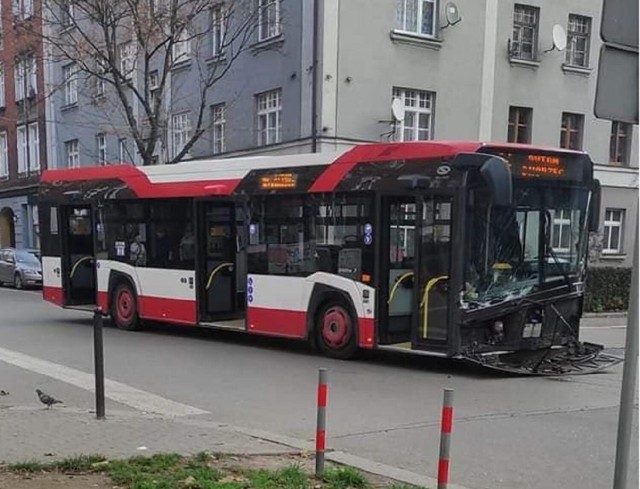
{"x": 4, "y": 392}
{"x": 47, "y": 399}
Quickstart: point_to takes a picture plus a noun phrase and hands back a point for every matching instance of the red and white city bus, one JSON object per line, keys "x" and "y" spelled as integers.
{"x": 462, "y": 249}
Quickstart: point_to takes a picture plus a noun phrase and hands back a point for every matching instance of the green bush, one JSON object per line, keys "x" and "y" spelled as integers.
{"x": 607, "y": 289}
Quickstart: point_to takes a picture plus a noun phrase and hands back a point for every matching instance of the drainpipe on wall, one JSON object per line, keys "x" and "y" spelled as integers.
{"x": 314, "y": 79}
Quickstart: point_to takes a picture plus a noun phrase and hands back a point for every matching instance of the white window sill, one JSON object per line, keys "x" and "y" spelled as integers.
{"x": 218, "y": 59}
{"x": 613, "y": 256}
{"x": 525, "y": 63}
{"x": 578, "y": 70}
{"x": 271, "y": 43}
{"x": 182, "y": 64}
{"x": 68, "y": 107}
{"x": 400, "y": 37}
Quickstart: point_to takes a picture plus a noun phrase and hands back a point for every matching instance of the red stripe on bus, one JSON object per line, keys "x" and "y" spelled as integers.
{"x": 277, "y": 322}
{"x": 321, "y": 440}
{"x": 447, "y": 419}
{"x": 53, "y": 295}
{"x": 322, "y": 395}
{"x": 179, "y": 311}
{"x": 443, "y": 471}
{"x": 366, "y": 332}
{"x": 140, "y": 184}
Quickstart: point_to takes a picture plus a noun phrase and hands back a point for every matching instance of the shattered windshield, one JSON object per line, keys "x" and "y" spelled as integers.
{"x": 512, "y": 251}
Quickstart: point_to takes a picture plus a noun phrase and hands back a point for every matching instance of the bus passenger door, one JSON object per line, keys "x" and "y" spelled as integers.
{"x": 433, "y": 264}
{"x": 216, "y": 269}
{"x": 78, "y": 256}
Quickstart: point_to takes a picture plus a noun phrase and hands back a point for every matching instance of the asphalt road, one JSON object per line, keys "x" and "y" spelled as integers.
{"x": 508, "y": 433}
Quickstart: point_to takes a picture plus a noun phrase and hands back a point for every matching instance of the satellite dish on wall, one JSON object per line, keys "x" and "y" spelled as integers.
{"x": 397, "y": 110}
{"x": 452, "y": 14}
{"x": 559, "y": 37}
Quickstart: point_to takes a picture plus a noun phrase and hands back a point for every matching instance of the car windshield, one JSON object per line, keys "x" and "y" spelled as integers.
{"x": 27, "y": 258}
{"x": 511, "y": 252}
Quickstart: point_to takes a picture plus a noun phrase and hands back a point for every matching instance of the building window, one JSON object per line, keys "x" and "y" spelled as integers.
{"x": 70, "y": 75}
{"x": 417, "y": 16}
{"x": 268, "y": 19}
{"x": 524, "y": 42}
{"x": 561, "y": 232}
{"x": 571, "y": 131}
{"x": 72, "y": 150}
{"x": 578, "y": 39}
{"x": 127, "y": 60}
{"x": 620, "y": 143}
{"x": 613, "y": 223}
{"x": 181, "y": 127}
{"x": 34, "y": 147}
{"x": 270, "y": 117}
{"x": 417, "y": 124}
{"x": 3, "y": 99}
{"x": 519, "y": 125}
{"x": 217, "y": 30}
{"x": 123, "y": 151}
{"x": 31, "y": 75}
{"x": 4, "y": 155}
{"x": 101, "y": 145}
{"x": 19, "y": 79}
{"x": 181, "y": 49}
{"x": 217, "y": 123}
{"x": 22, "y": 9}
{"x": 68, "y": 14}
{"x": 102, "y": 69}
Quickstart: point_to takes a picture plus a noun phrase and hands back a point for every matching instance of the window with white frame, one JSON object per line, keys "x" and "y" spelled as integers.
{"x": 181, "y": 49}
{"x": 524, "y": 42}
{"x": 268, "y": 19}
{"x": 123, "y": 151}
{"x": 217, "y": 125}
{"x": 19, "y": 79}
{"x": 417, "y": 124}
{"x": 22, "y": 9}
{"x": 217, "y": 30}
{"x": 3, "y": 98}
{"x": 181, "y": 130}
{"x": 561, "y": 231}
{"x": 22, "y": 149}
{"x": 72, "y": 150}
{"x": 417, "y": 17}
{"x": 102, "y": 68}
{"x": 101, "y": 146}
{"x": 68, "y": 13}
{"x": 519, "y": 126}
{"x": 153, "y": 86}
{"x": 571, "y": 130}
{"x": 4, "y": 155}
{"x": 31, "y": 75}
{"x": 127, "y": 59}
{"x": 269, "y": 117}
{"x": 70, "y": 75}
{"x": 578, "y": 40}
{"x": 613, "y": 227}
{"x": 34, "y": 147}
{"x": 620, "y": 143}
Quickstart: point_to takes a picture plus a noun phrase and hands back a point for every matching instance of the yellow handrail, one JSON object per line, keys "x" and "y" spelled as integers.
{"x": 75, "y": 265}
{"x": 397, "y": 284}
{"x": 216, "y": 270}
{"x": 425, "y": 302}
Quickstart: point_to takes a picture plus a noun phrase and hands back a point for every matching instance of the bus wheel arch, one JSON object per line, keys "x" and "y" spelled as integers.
{"x": 333, "y": 323}
{"x": 123, "y": 303}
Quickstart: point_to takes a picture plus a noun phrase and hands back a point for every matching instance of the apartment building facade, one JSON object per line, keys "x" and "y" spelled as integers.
{"x": 22, "y": 121}
{"x": 321, "y": 75}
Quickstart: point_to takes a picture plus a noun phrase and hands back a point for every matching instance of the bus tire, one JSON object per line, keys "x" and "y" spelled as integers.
{"x": 335, "y": 331}
{"x": 124, "y": 307}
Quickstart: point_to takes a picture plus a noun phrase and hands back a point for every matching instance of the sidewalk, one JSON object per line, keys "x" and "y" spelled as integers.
{"x": 605, "y": 315}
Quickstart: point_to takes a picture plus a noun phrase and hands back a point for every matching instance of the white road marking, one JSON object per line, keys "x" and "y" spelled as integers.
{"x": 116, "y": 391}
{"x": 604, "y": 327}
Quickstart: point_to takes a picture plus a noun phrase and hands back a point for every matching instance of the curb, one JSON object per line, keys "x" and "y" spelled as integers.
{"x": 604, "y": 315}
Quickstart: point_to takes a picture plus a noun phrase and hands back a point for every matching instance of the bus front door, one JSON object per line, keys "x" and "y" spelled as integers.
{"x": 78, "y": 256}
{"x": 415, "y": 271}
{"x": 218, "y": 250}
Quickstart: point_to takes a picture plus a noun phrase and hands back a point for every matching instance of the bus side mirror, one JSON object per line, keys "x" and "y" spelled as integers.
{"x": 494, "y": 170}
{"x": 594, "y": 207}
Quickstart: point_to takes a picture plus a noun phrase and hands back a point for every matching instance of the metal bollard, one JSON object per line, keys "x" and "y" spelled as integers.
{"x": 445, "y": 439}
{"x": 98, "y": 357}
{"x": 321, "y": 434}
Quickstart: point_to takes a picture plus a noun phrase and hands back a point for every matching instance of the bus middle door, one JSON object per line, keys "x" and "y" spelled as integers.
{"x": 78, "y": 256}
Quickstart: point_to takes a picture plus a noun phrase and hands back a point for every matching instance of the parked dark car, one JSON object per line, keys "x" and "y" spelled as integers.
{"x": 21, "y": 268}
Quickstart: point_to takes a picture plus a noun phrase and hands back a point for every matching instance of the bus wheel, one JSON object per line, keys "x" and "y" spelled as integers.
{"x": 124, "y": 309}
{"x": 335, "y": 331}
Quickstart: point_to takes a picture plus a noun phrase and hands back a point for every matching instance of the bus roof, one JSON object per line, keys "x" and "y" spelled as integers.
{"x": 209, "y": 177}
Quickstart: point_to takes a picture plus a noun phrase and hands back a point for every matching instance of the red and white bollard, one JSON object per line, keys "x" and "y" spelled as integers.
{"x": 446, "y": 428}
{"x": 321, "y": 433}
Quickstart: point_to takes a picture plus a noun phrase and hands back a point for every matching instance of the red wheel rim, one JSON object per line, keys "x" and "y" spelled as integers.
{"x": 336, "y": 327}
{"x": 125, "y": 305}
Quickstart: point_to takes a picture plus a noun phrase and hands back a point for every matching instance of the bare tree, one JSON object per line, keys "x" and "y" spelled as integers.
{"x": 130, "y": 49}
